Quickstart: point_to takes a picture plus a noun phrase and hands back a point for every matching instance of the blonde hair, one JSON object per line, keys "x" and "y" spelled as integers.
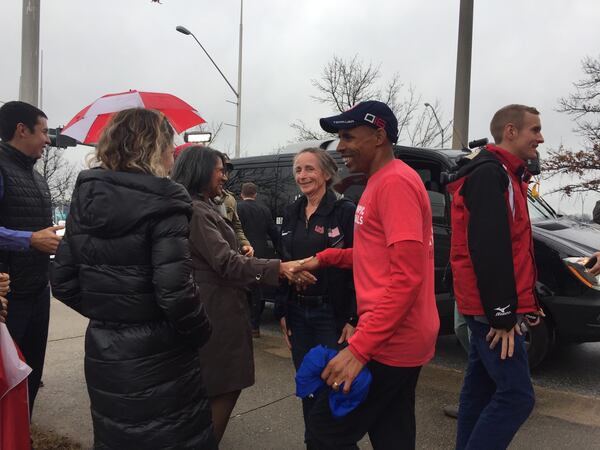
{"x": 134, "y": 141}
{"x": 326, "y": 163}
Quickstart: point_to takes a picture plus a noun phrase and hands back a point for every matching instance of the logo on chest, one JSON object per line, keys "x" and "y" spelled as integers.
{"x": 359, "y": 215}
{"x": 333, "y": 232}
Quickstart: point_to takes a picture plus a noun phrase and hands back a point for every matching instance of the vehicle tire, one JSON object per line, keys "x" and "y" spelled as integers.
{"x": 538, "y": 341}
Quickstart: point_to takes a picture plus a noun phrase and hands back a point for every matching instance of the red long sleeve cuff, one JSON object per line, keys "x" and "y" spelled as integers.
{"x": 337, "y": 257}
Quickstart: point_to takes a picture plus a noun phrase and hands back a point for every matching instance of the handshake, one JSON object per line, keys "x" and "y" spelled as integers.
{"x": 299, "y": 271}
{"x": 4, "y": 289}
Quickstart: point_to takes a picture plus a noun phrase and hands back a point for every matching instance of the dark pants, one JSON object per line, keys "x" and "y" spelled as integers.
{"x": 387, "y": 414}
{"x": 255, "y": 298}
{"x": 497, "y": 395}
{"x": 27, "y": 323}
{"x": 310, "y": 327}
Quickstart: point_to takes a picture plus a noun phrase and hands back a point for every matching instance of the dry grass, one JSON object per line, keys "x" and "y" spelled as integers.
{"x": 49, "y": 440}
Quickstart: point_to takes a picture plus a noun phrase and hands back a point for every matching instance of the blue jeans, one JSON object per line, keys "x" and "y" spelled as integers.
{"x": 310, "y": 327}
{"x": 497, "y": 396}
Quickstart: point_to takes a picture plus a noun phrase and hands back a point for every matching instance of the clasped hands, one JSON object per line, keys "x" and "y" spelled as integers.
{"x": 298, "y": 272}
{"x": 4, "y": 289}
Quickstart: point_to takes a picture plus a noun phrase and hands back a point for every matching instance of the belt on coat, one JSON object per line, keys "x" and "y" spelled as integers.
{"x": 210, "y": 277}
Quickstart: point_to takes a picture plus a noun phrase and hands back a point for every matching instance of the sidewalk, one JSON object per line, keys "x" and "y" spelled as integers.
{"x": 268, "y": 415}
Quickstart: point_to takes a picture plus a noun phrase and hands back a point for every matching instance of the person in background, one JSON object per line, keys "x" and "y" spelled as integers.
{"x": 392, "y": 262}
{"x": 223, "y": 275}
{"x": 495, "y": 294}
{"x": 596, "y": 213}
{"x": 258, "y": 226}
{"x": 27, "y": 237}
{"x": 227, "y": 199}
{"x": 324, "y": 313}
{"x": 125, "y": 264}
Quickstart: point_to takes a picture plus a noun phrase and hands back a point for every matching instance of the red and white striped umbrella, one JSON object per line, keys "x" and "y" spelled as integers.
{"x": 87, "y": 125}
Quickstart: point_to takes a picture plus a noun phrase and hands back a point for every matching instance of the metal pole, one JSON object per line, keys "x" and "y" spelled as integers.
{"x": 30, "y": 56}
{"x": 463, "y": 75}
{"x": 239, "y": 86}
{"x": 438, "y": 122}
{"x": 42, "y": 79}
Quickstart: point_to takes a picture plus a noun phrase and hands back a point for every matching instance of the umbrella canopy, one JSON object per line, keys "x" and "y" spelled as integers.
{"x": 87, "y": 125}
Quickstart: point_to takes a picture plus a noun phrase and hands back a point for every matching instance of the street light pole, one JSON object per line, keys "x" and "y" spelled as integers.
{"x": 239, "y": 85}
{"x": 30, "y": 56}
{"x": 428, "y": 105}
{"x": 238, "y": 93}
{"x": 462, "y": 90}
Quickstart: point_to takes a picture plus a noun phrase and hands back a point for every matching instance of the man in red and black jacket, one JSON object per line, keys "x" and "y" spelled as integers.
{"x": 494, "y": 279}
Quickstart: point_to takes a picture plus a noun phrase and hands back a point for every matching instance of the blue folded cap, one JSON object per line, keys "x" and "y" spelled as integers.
{"x": 309, "y": 382}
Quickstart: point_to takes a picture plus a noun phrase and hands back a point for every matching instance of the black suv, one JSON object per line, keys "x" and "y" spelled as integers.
{"x": 570, "y": 299}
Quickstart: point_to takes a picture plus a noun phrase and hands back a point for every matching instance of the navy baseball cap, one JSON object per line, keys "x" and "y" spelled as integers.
{"x": 371, "y": 113}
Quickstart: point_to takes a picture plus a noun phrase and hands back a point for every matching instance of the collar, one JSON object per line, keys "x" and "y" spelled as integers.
{"x": 325, "y": 206}
{"x": 17, "y": 155}
{"x": 513, "y": 163}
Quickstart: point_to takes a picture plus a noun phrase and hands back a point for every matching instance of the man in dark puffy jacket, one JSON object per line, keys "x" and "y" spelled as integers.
{"x": 27, "y": 235}
{"x": 494, "y": 279}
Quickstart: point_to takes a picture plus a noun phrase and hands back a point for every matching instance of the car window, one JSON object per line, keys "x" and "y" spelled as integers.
{"x": 288, "y": 189}
{"x": 352, "y": 186}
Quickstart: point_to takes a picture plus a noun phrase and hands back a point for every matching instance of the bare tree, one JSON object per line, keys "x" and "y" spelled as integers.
{"x": 306, "y": 133}
{"x": 581, "y": 165}
{"x": 425, "y": 130}
{"x": 343, "y": 83}
{"x": 59, "y": 174}
{"x": 214, "y": 129}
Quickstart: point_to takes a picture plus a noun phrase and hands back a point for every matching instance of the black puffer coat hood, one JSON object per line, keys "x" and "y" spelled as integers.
{"x": 125, "y": 263}
{"x": 104, "y": 200}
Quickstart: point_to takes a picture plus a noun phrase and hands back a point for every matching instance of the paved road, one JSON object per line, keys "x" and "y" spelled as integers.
{"x": 268, "y": 414}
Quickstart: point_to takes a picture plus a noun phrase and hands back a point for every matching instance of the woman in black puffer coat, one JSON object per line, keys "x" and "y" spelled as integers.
{"x": 125, "y": 264}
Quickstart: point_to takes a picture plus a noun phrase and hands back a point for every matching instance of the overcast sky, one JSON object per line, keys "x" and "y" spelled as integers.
{"x": 523, "y": 52}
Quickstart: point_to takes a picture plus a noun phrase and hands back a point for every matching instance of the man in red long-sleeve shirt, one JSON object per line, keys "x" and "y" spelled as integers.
{"x": 392, "y": 261}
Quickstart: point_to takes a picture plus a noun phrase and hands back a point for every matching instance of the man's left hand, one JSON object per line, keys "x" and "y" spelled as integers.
{"x": 247, "y": 250}
{"x": 595, "y": 270}
{"x": 342, "y": 369}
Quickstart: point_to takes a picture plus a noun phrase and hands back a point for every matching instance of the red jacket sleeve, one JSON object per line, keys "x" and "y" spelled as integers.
{"x": 403, "y": 287}
{"x": 338, "y": 257}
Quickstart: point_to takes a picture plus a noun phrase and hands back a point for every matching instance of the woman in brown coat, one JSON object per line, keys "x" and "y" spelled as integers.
{"x": 222, "y": 273}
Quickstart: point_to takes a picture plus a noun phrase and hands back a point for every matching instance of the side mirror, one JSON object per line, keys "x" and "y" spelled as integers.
{"x": 533, "y": 165}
